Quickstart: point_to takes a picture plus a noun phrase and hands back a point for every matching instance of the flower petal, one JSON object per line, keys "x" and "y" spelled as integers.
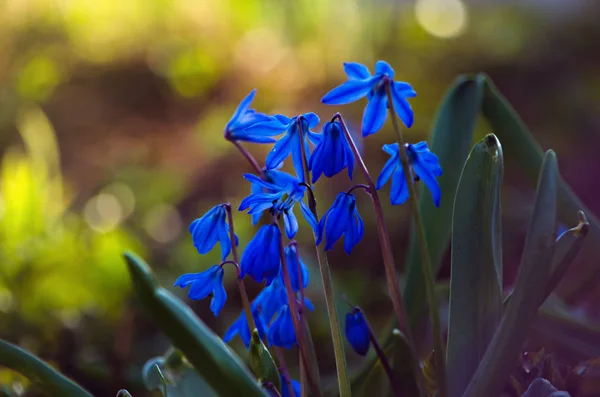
{"x": 220, "y": 295}
{"x": 399, "y": 192}
{"x": 388, "y": 169}
{"x": 224, "y": 239}
{"x": 242, "y": 107}
{"x": 429, "y": 180}
{"x": 312, "y": 118}
{"x": 281, "y": 150}
{"x": 291, "y": 223}
{"x": 337, "y": 221}
{"x": 375, "y": 113}
{"x": 403, "y": 109}
{"x": 404, "y": 90}
{"x": 310, "y": 218}
{"x": 350, "y": 91}
{"x": 382, "y": 67}
{"x": 356, "y": 71}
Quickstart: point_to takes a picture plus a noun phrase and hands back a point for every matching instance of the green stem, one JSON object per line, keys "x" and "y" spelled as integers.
{"x": 336, "y": 332}
{"x": 386, "y": 250}
{"x": 294, "y": 308}
{"x": 438, "y": 343}
{"x": 240, "y": 280}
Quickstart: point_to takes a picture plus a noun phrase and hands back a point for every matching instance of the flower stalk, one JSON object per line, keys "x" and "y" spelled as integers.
{"x": 424, "y": 251}
{"x": 336, "y": 332}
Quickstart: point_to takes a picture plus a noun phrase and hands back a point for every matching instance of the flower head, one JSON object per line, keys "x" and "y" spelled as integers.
{"x": 282, "y": 333}
{"x": 270, "y": 300}
{"x": 209, "y": 229}
{"x": 240, "y": 327}
{"x": 279, "y": 197}
{"x": 295, "y": 386}
{"x": 296, "y": 267}
{"x": 244, "y": 117}
{"x": 261, "y": 257}
{"x": 361, "y": 83}
{"x": 424, "y": 164}
{"x": 296, "y": 129}
{"x": 342, "y": 219}
{"x": 332, "y": 154}
{"x": 205, "y": 283}
{"x": 357, "y": 332}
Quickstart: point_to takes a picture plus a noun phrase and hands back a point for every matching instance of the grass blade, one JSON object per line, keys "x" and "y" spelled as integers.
{"x": 212, "y": 359}
{"x": 38, "y": 372}
{"x": 476, "y": 275}
{"x": 530, "y": 287}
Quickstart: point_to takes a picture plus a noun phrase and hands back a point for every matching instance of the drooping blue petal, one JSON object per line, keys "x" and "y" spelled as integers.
{"x": 270, "y": 300}
{"x": 310, "y": 217}
{"x": 382, "y": 67}
{"x": 240, "y": 327}
{"x": 224, "y": 239}
{"x": 427, "y": 167}
{"x": 312, "y": 118}
{"x": 308, "y": 304}
{"x": 255, "y": 189}
{"x": 399, "y": 192}
{"x": 261, "y": 259}
{"x": 350, "y": 91}
{"x": 324, "y": 218}
{"x": 333, "y": 153}
{"x": 356, "y": 71}
{"x": 357, "y": 332}
{"x": 404, "y": 89}
{"x": 209, "y": 229}
{"x": 291, "y": 223}
{"x": 269, "y": 128}
{"x": 281, "y": 333}
{"x": 375, "y": 113}
{"x": 281, "y": 150}
{"x": 219, "y": 294}
{"x": 355, "y": 230}
{"x": 339, "y": 221}
{"x": 386, "y": 172}
{"x": 402, "y": 108}
{"x": 296, "y": 268}
{"x": 429, "y": 181}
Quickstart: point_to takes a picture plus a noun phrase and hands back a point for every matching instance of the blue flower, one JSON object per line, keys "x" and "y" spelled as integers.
{"x": 244, "y": 117}
{"x": 357, "y": 332}
{"x": 240, "y": 327}
{"x": 205, "y": 283}
{"x": 279, "y": 198}
{"x": 424, "y": 164}
{"x": 270, "y": 300}
{"x": 295, "y": 269}
{"x": 261, "y": 257}
{"x": 332, "y": 154}
{"x": 360, "y": 84}
{"x": 296, "y": 129}
{"x": 281, "y": 333}
{"x": 342, "y": 219}
{"x": 294, "y": 384}
{"x": 209, "y": 229}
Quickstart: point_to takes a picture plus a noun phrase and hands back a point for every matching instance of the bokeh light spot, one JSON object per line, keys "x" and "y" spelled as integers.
{"x": 103, "y": 213}
{"x": 163, "y": 223}
{"x": 442, "y": 18}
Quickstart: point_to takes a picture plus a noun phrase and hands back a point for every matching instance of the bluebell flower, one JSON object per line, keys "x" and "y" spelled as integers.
{"x": 332, "y": 154}
{"x": 240, "y": 327}
{"x": 342, "y": 219}
{"x": 279, "y": 198}
{"x": 357, "y": 332}
{"x": 361, "y": 83}
{"x": 424, "y": 164}
{"x": 244, "y": 117}
{"x": 289, "y": 144}
{"x": 270, "y": 300}
{"x": 261, "y": 257}
{"x": 281, "y": 332}
{"x": 205, "y": 283}
{"x": 209, "y": 229}
{"x": 296, "y": 268}
{"x": 296, "y": 387}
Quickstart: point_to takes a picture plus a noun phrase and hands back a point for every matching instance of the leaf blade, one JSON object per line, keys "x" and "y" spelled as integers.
{"x": 476, "y": 272}
{"x": 532, "y": 277}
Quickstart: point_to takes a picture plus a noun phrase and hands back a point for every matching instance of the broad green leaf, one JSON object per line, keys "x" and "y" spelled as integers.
{"x": 450, "y": 140}
{"x": 212, "y": 359}
{"x": 38, "y": 372}
{"x": 476, "y": 274}
{"x": 262, "y": 362}
{"x": 181, "y": 380}
{"x": 520, "y": 144}
{"x": 530, "y": 287}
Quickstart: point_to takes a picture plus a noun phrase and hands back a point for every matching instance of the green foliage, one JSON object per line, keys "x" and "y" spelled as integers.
{"x": 476, "y": 279}
{"x": 262, "y": 362}
{"x": 39, "y": 372}
{"x": 211, "y": 358}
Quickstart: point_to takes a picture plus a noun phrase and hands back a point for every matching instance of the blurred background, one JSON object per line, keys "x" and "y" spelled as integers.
{"x": 111, "y": 119}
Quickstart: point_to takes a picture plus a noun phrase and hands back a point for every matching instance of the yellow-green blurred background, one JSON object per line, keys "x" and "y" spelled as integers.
{"x": 111, "y": 118}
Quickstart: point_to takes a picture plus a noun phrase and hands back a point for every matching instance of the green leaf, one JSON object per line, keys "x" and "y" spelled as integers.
{"x": 262, "y": 362}
{"x": 476, "y": 274}
{"x": 530, "y": 287}
{"x": 38, "y": 372}
{"x": 450, "y": 140}
{"x": 212, "y": 359}
{"x": 404, "y": 363}
{"x": 519, "y": 142}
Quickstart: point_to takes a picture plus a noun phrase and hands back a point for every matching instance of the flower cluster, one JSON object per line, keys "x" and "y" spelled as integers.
{"x": 278, "y": 308}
